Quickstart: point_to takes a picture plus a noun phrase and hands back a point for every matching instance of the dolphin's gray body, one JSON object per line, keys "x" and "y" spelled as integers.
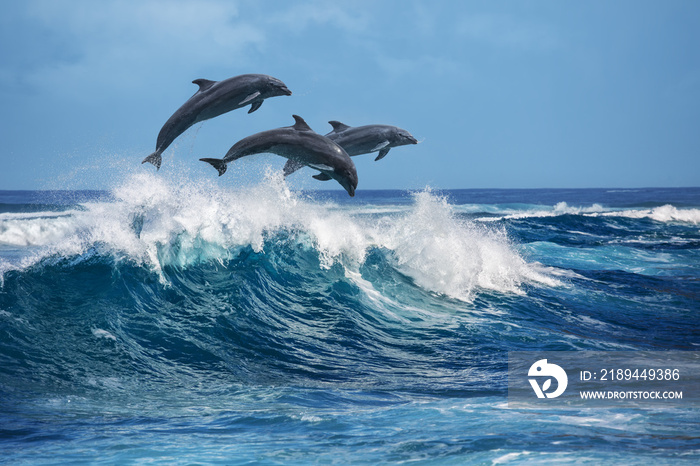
{"x": 215, "y": 98}
{"x": 298, "y": 143}
{"x": 363, "y": 140}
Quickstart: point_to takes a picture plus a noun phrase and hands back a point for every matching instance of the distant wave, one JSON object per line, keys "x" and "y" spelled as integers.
{"x": 665, "y": 213}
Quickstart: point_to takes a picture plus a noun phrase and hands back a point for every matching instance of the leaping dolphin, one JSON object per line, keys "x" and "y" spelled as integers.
{"x": 301, "y": 144}
{"x": 215, "y": 98}
{"x": 363, "y": 140}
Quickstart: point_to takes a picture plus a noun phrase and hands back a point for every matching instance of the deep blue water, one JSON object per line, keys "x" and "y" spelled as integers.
{"x": 179, "y": 322}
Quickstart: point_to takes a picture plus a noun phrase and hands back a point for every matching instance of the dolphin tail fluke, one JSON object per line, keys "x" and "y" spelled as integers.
{"x": 219, "y": 164}
{"x": 155, "y": 158}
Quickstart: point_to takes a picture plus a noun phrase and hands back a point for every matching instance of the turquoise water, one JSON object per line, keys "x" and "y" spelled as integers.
{"x": 179, "y": 322}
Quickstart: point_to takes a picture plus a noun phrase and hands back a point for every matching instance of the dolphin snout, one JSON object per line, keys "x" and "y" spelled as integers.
{"x": 286, "y": 90}
{"x": 349, "y": 188}
{"x": 408, "y": 138}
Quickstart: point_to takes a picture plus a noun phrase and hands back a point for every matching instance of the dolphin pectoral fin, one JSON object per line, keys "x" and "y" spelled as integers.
{"x": 203, "y": 84}
{"x": 219, "y": 164}
{"x": 291, "y": 166}
{"x": 321, "y": 167}
{"x": 155, "y": 158}
{"x": 249, "y": 98}
{"x": 382, "y": 153}
{"x": 255, "y": 106}
{"x": 381, "y": 145}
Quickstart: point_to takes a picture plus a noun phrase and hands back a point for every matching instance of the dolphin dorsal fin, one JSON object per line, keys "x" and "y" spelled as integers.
{"x": 338, "y": 126}
{"x": 300, "y": 124}
{"x": 203, "y": 84}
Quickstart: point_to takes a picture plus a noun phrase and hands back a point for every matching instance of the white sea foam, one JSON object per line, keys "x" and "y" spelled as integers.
{"x": 35, "y": 229}
{"x": 156, "y": 222}
{"x": 453, "y": 257}
{"x": 665, "y": 213}
{"x": 561, "y": 208}
{"x": 99, "y": 333}
{"x": 510, "y": 457}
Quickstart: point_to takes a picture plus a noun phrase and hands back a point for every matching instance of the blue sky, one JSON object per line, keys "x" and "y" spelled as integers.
{"x": 536, "y": 94}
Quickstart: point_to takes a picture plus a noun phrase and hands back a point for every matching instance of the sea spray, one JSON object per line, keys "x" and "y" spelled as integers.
{"x": 157, "y": 222}
{"x": 665, "y": 213}
{"x": 452, "y": 256}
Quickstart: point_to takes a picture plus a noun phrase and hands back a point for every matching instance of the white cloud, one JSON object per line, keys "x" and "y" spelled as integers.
{"x": 117, "y": 44}
{"x": 300, "y": 16}
{"x": 503, "y": 31}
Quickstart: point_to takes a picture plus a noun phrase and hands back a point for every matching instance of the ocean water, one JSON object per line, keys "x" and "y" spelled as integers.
{"x": 187, "y": 321}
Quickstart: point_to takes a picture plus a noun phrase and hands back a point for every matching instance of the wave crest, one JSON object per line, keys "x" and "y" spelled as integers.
{"x": 455, "y": 257}
{"x": 157, "y": 223}
{"x": 666, "y": 213}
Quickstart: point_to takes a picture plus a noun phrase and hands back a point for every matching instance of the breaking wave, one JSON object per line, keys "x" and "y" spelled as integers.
{"x": 665, "y": 213}
{"x": 156, "y": 223}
